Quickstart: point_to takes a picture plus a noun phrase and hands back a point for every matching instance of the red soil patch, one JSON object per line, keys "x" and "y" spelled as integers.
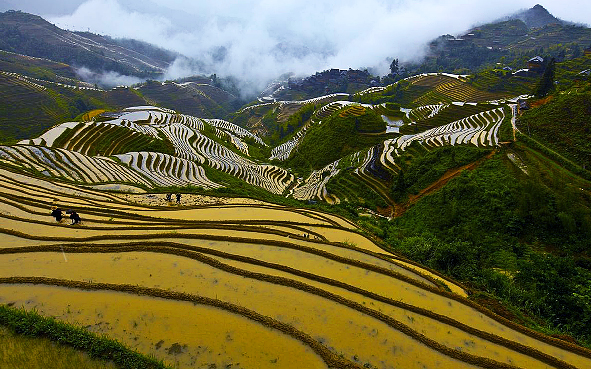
{"x": 541, "y": 102}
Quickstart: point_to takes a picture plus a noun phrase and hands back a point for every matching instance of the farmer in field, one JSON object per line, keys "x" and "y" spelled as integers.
{"x": 57, "y": 214}
{"x": 178, "y": 198}
{"x": 169, "y": 197}
{"x": 75, "y": 217}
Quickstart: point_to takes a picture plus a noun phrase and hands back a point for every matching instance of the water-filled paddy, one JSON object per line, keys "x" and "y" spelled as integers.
{"x": 181, "y": 333}
{"x": 337, "y": 286}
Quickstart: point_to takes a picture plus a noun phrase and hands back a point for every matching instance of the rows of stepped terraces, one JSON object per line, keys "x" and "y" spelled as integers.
{"x": 209, "y": 206}
{"x": 109, "y": 149}
{"x": 252, "y": 285}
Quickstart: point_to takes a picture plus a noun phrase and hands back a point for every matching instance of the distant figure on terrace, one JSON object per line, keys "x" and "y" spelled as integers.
{"x": 169, "y": 197}
{"x": 75, "y": 217}
{"x": 178, "y": 198}
{"x": 57, "y": 214}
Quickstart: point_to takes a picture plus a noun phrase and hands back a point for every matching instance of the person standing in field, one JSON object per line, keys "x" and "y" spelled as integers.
{"x": 75, "y": 218}
{"x": 57, "y": 214}
{"x": 178, "y": 198}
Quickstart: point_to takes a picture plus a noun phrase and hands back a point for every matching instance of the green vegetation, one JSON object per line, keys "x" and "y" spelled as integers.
{"x": 37, "y": 68}
{"x": 347, "y": 186}
{"x": 521, "y": 239}
{"x": 427, "y": 169}
{"x": 31, "y": 324}
{"x": 494, "y": 79}
{"x": 506, "y": 128}
{"x": 27, "y": 109}
{"x": 402, "y": 92}
{"x": 564, "y": 124}
{"x": 447, "y": 115}
{"x": 510, "y": 43}
{"x": 432, "y": 89}
{"x": 568, "y": 72}
{"x": 18, "y": 351}
{"x": 281, "y": 132}
{"x": 546, "y": 83}
{"x": 200, "y": 100}
{"x": 336, "y": 137}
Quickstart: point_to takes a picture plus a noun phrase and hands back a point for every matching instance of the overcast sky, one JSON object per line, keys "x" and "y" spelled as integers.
{"x": 264, "y": 38}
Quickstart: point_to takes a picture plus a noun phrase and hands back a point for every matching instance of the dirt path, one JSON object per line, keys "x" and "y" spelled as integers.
{"x": 452, "y": 173}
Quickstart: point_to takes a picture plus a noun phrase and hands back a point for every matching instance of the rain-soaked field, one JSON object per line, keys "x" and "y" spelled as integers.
{"x": 244, "y": 284}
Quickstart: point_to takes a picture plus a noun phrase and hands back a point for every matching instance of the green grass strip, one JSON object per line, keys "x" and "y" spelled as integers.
{"x": 31, "y": 323}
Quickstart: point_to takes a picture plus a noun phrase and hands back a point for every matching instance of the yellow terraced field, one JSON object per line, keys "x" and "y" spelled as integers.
{"x": 242, "y": 284}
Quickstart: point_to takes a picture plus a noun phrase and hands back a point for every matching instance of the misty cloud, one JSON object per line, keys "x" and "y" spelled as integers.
{"x": 257, "y": 40}
{"x": 106, "y": 79}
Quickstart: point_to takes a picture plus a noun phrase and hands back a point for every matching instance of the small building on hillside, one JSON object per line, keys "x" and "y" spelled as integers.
{"x": 522, "y": 73}
{"x": 536, "y": 64}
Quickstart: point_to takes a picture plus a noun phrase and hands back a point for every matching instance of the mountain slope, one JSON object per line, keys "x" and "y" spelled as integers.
{"x": 563, "y": 123}
{"x": 29, "y": 34}
{"x": 514, "y": 39}
{"x": 536, "y": 17}
{"x": 31, "y": 106}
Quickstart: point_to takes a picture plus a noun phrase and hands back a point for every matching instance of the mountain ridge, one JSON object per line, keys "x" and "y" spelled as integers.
{"x": 32, "y": 35}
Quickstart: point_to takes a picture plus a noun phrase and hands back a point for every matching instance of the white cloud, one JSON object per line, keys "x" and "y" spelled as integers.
{"x": 256, "y": 40}
{"x": 106, "y": 79}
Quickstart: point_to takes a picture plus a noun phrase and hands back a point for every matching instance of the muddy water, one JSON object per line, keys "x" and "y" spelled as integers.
{"x": 343, "y": 236}
{"x": 457, "y": 289}
{"x": 343, "y": 329}
{"x": 315, "y": 264}
{"x": 122, "y": 229}
{"x": 232, "y": 213}
{"x": 443, "y": 333}
{"x": 340, "y": 221}
{"x": 388, "y": 287}
{"x": 7, "y": 240}
{"x": 182, "y": 334}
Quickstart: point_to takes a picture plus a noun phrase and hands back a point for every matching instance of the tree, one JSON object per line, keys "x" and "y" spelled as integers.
{"x": 394, "y": 67}
{"x": 576, "y": 51}
{"x": 546, "y": 83}
{"x": 399, "y": 187}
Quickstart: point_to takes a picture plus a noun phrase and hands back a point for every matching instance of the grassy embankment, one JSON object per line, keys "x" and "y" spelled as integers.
{"x": 60, "y": 345}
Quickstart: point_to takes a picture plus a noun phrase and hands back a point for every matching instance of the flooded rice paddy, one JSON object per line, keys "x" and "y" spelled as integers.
{"x": 244, "y": 284}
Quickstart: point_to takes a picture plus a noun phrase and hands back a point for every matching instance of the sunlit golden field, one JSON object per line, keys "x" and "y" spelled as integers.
{"x": 244, "y": 285}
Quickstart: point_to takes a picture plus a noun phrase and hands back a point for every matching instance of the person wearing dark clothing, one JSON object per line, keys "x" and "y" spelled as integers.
{"x": 178, "y": 198}
{"x": 168, "y": 197}
{"x": 57, "y": 214}
{"x": 75, "y": 217}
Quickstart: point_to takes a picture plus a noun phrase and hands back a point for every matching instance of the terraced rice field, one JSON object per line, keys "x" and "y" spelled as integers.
{"x": 329, "y": 109}
{"x": 125, "y": 134}
{"x": 479, "y": 129}
{"x": 283, "y": 151}
{"x": 245, "y": 286}
{"x": 448, "y": 88}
